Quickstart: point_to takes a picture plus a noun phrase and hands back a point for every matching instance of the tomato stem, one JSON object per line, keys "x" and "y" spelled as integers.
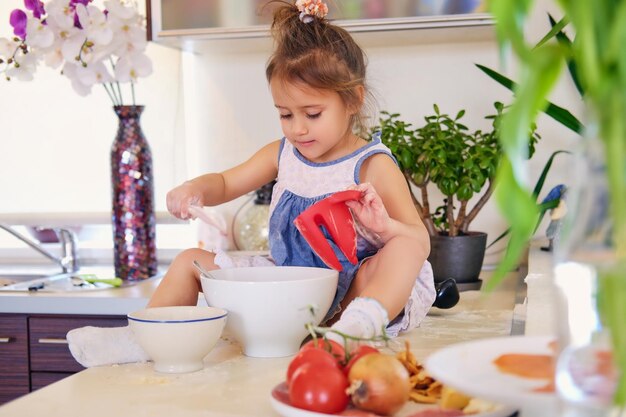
{"x": 323, "y": 331}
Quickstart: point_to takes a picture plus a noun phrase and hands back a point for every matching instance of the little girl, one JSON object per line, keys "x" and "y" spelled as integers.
{"x": 317, "y": 80}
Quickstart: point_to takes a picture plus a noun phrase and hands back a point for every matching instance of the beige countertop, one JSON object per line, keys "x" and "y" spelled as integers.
{"x": 234, "y": 385}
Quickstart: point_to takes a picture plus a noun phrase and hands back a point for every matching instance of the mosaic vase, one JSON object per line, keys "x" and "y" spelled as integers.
{"x": 133, "y": 221}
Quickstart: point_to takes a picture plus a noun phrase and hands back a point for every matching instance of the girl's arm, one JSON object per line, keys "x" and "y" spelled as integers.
{"x": 396, "y": 216}
{"x": 217, "y": 188}
{"x": 387, "y": 209}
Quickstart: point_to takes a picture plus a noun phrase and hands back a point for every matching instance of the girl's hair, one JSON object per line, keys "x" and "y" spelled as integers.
{"x": 321, "y": 55}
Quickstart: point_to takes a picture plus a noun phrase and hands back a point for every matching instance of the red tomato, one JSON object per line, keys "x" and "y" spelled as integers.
{"x": 317, "y": 357}
{"x": 319, "y": 388}
{"x": 331, "y": 346}
{"x": 357, "y": 354}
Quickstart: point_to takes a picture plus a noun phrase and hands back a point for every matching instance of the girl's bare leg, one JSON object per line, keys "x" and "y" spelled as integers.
{"x": 181, "y": 284}
{"x": 388, "y": 276}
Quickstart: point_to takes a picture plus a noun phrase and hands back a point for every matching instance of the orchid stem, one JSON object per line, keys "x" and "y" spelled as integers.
{"x": 118, "y": 100}
{"x": 119, "y": 93}
{"x": 117, "y": 84}
{"x": 132, "y": 90}
{"x": 111, "y": 96}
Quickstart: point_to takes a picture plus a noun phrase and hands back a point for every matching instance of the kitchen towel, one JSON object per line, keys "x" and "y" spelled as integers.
{"x": 99, "y": 346}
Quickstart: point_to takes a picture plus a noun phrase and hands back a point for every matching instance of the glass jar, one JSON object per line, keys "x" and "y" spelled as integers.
{"x": 590, "y": 288}
{"x": 251, "y": 222}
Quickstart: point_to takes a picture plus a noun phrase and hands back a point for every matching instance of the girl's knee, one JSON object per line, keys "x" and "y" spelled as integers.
{"x": 186, "y": 258}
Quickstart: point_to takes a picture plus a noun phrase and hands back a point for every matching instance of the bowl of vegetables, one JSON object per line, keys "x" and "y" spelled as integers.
{"x": 324, "y": 378}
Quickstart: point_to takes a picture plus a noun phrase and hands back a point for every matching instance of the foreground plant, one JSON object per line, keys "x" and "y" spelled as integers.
{"x": 597, "y": 53}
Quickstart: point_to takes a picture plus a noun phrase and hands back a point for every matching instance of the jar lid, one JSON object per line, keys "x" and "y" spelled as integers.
{"x": 264, "y": 194}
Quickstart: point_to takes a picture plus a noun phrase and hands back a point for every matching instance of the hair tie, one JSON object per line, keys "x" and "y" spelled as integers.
{"x": 311, "y": 8}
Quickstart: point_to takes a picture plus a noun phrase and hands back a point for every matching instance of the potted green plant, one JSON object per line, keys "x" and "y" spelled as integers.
{"x": 595, "y": 251}
{"x": 461, "y": 164}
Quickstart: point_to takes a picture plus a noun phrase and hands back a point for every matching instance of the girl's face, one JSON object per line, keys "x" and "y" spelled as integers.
{"x": 316, "y": 122}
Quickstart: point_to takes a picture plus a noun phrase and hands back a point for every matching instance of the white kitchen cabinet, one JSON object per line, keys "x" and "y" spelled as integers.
{"x": 186, "y": 24}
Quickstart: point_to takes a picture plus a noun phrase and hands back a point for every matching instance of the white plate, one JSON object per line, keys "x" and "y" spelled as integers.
{"x": 469, "y": 368}
{"x": 280, "y": 402}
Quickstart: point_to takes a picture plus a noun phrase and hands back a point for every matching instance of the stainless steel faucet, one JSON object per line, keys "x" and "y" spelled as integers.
{"x": 67, "y": 261}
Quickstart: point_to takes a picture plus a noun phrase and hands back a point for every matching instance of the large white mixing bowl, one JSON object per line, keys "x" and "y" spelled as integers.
{"x": 268, "y": 307}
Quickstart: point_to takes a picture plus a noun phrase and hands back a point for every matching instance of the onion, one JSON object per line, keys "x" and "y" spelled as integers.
{"x": 379, "y": 383}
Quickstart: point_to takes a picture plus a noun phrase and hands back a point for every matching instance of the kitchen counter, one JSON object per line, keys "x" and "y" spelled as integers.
{"x": 234, "y": 385}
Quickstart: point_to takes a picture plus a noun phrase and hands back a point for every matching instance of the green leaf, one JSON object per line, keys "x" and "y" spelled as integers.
{"x": 543, "y": 207}
{"x": 558, "y": 113}
{"x": 510, "y": 16}
{"x": 545, "y": 67}
{"x": 536, "y": 191}
{"x": 544, "y": 173}
{"x": 571, "y": 64}
{"x": 464, "y": 192}
{"x": 502, "y": 79}
{"x": 499, "y": 238}
{"x": 521, "y": 213}
{"x": 556, "y": 29}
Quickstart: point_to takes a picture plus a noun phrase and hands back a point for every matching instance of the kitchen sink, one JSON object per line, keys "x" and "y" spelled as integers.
{"x": 10, "y": 278}
{"x": 28, "y": 281}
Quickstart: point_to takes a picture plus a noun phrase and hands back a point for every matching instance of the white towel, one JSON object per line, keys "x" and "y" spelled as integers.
{"x": 98, "y": 346}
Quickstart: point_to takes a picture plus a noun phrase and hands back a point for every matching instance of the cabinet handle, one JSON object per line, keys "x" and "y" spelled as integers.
{"x": 5, "y": 339}
{"x": 52, "y": 341}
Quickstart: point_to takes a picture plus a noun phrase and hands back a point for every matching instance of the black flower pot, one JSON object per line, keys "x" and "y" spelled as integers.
{"x": 458, "y": 257}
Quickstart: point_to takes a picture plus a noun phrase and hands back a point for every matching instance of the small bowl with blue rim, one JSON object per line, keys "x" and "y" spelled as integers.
{"x": 177, "y": 338}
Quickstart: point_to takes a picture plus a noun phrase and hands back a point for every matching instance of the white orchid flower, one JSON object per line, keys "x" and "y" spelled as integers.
{"x": 131, "y": 67}
{"x": 71, "y": 71}
{"x": 72, "y": 46}
{"x": 94, "y": 23}
{"x": 38, "y": 35}
{"x": 54, "y": 57}
{"x": 92, "y": 45}
{"x": 7, "y": 47}
{"x": 93, "y": 74}
{"x": 116, "y": 8}
{"x": 25, "y": 68}
{"x": 68, "y": 39}
{"x": 60, "y": 17}
{"x": 130, "y": 37}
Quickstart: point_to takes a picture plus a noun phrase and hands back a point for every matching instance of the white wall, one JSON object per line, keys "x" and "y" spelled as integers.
{"x": 233, "y": 114}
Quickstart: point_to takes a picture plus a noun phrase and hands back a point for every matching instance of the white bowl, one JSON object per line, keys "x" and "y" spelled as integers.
{"x": 268, "y": 307}
{"x": 177, "y": 338}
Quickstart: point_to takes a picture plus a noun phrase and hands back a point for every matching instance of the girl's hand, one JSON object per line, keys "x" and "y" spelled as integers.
{"x": 180, "y": 198}
{"x": 370, "y": 210}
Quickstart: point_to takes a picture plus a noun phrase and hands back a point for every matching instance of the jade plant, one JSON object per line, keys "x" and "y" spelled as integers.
{"x": 445, "y": 153}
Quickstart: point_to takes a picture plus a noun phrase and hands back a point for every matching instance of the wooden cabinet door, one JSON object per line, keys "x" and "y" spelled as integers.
{"x": 14, "y": 378}
{"x": 42, "y": 379}
{"x": 49, "y": 350}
